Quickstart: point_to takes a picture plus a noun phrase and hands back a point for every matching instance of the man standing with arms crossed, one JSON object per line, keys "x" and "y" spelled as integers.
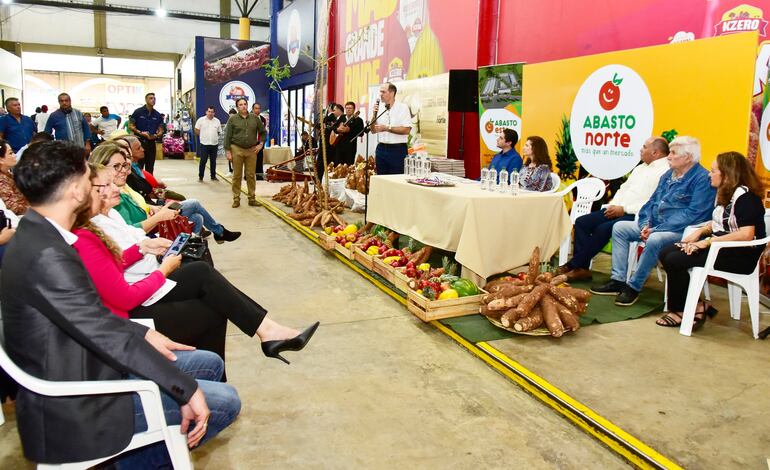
{"x": 207, "y": 128}
{"x": 147, "y": 124}
{"x": 348, "y": 135}
{"x": 392, "y": 129}
{"x": 244, "y": 139}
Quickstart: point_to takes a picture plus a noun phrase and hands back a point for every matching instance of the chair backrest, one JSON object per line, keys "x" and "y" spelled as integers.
{"x": 767, "y": 222}
{"x": 555, "y": 183}
{"x": 589, "y": 190}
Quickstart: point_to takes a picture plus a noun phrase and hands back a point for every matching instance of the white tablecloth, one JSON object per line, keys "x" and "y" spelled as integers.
{"x": 490, "y": 232}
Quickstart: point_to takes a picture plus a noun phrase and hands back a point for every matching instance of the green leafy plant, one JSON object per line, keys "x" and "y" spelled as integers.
{"x": 566, "y": 160}
{"x": 276, "y": 73}
{"x": 669, "y": 135}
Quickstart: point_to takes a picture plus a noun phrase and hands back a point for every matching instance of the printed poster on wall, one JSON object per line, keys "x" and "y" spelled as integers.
{"x": 616, "y": 100}
{"x": 227, "y": 70}
{"x": 500, "y": 88}
{"x": 396, "y": 40}
{"x": 296, "y": 36}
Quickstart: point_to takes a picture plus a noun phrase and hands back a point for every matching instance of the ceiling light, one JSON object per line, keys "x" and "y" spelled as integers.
{"x": 7, "y": 2}
{"x": 161, "y": 12}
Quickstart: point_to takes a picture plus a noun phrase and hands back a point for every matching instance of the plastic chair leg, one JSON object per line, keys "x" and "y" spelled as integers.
{"x": 734, "y": 296}
{"x": 691, "y": 303}
{"x": 564, "y": 250}
{"x": 2, "y": 416}
{"x": 706, "y": 292}
{"x": 752, "y": 293}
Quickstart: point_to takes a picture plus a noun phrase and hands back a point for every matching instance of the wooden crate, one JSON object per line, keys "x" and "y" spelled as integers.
{"x": 366, "y": 260}
{"x": 346, "y": 252}
{"x": 428, "y": 310}
{"x": 400, "y": 280}
{"x": 327, "y": 241}
{"x": 386, "y": 271}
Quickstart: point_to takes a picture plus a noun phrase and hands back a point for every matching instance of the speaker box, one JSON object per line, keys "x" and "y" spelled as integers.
{"x": 464, "y": 91}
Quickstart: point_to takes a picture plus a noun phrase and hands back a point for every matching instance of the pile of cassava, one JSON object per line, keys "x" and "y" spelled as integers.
{"x": 540, "y": 299}
{"x": 308, "y": 206}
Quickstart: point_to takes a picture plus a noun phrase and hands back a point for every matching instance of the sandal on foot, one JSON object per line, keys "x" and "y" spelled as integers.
{"x": 671, "y": 319}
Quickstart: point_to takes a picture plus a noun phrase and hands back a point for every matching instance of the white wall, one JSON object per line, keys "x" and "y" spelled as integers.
{"x": 50, "y": 25}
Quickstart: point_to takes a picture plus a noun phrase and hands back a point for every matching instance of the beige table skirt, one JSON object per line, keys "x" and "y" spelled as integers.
{"x": 490, "y": 232}
{"x": 275, "y": 155}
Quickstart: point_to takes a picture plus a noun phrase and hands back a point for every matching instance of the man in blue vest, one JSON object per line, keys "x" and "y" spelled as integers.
{"x": 147, "y": 124}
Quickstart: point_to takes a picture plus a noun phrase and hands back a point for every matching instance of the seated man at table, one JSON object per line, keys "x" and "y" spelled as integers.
{"x": 508, "y": 159}
{"x": 593, "y": 231}
{"x": 684, "y": 196}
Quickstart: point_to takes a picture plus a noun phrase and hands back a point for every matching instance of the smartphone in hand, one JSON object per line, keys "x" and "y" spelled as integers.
{"x": 174, "y": 206}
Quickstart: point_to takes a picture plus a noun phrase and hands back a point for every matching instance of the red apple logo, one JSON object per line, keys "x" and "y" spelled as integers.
{"x": 609, "y": 93}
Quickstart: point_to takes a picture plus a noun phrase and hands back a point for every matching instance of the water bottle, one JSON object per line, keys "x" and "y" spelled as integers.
{"x": 408, "y": 164}
{"x": 493, "y": 179}
{"x": 515, "y": 183}
{"x": 484, "y": 178}
{"x": 428, "y": 165}
{"x": 503, "y": 186}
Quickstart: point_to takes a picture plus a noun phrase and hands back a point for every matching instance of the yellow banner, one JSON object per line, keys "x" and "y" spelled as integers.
{"x": 701, "y": 88}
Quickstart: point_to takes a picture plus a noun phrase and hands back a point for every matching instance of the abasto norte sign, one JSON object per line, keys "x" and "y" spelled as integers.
{"x": 612, "y": 116}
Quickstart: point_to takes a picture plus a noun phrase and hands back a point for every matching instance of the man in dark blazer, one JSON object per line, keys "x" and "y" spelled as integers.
{"x": 56, "y": 327}
{"x": 348, "y": 135}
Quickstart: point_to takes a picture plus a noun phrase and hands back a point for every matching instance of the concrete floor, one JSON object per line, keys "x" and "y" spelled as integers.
{"x": 701, "y": 401}
{"x": 375, "y": 388}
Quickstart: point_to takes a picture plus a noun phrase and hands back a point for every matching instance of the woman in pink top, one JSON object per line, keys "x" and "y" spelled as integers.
{"x": 196, "y": 310}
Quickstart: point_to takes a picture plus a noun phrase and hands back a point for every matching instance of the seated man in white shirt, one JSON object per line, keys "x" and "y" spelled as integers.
{"x": 594, "y": 230}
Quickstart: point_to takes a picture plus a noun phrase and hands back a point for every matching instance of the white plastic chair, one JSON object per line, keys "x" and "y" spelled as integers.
{"x": 735, "y": 284}
{"x": 149, "y": 394}
{"x": 555, "y": 183}
{"x": 589, "y": 190}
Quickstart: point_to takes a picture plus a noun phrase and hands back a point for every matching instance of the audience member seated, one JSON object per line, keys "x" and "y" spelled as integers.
{"x": 36, "y": 139}
{"x": 593, "y": 231}
{"x": 739, "y": 215}
{"x": 11, "y": 196}
{"x": 194, "y": 308}
{"x": 56, "y": 328}
{"x": 137, "y": 212}
{"x": 140, "y": 180}
{"x": 8, "y": 223}
{"x": 683, "y": 197}
{"x": 508, "y": 159}
{"x": 536, "y": 173}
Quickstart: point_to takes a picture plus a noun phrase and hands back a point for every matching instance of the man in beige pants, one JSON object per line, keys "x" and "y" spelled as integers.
{"x": 244, "y": 138}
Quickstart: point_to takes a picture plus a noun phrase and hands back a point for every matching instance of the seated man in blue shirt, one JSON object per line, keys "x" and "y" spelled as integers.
{"x": 508, "y": 158}
{"x": 684, "y": 196}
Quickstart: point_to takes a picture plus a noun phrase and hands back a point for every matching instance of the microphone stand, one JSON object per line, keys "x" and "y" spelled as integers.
{"x": 366, "y": 130}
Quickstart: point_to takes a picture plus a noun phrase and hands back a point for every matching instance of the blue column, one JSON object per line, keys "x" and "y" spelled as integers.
{"x": 275, "y": 98}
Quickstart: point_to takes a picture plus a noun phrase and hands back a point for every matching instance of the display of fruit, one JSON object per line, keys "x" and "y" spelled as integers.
{"x": 344, "y": 235}
{"x": 465, "y": 287}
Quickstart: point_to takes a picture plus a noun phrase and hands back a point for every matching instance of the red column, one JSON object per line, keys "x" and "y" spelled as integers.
{"x": 331, "y": 49}
{"x": 488, "y": 27}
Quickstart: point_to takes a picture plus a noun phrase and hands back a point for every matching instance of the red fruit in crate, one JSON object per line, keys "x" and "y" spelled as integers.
{"x": 382, "y": 249}
{"x": 410, "y": 264}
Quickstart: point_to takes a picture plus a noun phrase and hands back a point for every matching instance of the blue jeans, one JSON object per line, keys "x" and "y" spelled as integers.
{"x": 208, "y": 153}
{"x": 200, "y": 217}
{"x": 627, "y": 231}
{"x": 592, "y": 232}
{"x": 389, "y": 158}
{"x": 222, "y": 399}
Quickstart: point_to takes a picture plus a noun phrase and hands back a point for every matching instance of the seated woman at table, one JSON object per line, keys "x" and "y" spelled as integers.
{"x": 536, "y": 173}
{"x": 738, "y": 216}
{"x": 194, "y": 309}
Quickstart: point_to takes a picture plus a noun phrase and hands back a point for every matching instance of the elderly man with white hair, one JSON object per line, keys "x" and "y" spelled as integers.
{"x": 684, "y": 196}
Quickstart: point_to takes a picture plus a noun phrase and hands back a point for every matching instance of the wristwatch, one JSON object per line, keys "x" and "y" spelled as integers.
{"x": 389, "y": 129}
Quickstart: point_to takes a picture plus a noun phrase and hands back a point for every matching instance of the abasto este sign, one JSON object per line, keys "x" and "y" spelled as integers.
{"x": 612, "y": 116}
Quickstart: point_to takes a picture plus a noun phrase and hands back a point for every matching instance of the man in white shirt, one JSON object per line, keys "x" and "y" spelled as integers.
{"x": 208, "y": 128}
{"x": 392, "y": 129}
{"x": 41, "y": 118}
{"x": 106, "y": 123}
{"x": 594, "y": 230}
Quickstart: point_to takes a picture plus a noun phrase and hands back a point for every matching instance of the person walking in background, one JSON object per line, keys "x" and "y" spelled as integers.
{"x": 244, "y": 138}
{"x": 16, "y": 128}
{"x": 147, "y": 124}
{"x": 256, "y": 109}
{"x": 208, "y": 128}
{"x": 41, "y": 118}
{"x": 68, "y": 123}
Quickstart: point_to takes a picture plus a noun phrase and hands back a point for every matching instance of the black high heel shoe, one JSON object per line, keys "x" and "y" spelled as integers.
{"x": 274, "y": 348}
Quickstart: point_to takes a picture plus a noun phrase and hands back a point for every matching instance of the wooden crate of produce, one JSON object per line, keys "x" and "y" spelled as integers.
{"x": 366, "y": 260}
{"x": 386, "y": 271}
{"x": 400, "y": 280}
{"x": 428, "y": 310}
{"x": 327, "y": 241}
{"x": 346, "y": 252}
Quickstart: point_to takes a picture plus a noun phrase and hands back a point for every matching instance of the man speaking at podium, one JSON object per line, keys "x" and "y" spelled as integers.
{"x": 392, "y": 129}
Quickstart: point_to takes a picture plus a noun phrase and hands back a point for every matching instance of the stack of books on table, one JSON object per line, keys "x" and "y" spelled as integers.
{"x": 448, "y": 166}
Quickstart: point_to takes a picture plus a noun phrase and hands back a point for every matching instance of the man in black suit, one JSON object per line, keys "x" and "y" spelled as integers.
{"x": 256, "y": 109}
{"x": 56, "y": 328}
{"x": 348, "y": 135}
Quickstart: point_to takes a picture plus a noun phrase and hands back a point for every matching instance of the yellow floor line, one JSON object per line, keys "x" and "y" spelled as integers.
{"x": 644, "y": 457}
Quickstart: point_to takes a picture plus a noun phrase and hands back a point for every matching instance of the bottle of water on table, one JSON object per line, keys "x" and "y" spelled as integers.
{"x": 492, "y": 179}
{"x": 503, "y": 186}
{"x": 515, "y": 183}
{"x": 484, "y": 178}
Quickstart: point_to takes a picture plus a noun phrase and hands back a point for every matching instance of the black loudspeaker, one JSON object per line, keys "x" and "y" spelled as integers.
{"x": 464, "y": 91}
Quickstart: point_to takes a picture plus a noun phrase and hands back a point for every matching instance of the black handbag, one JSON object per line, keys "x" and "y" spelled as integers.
{"x": 197, "y": 249}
